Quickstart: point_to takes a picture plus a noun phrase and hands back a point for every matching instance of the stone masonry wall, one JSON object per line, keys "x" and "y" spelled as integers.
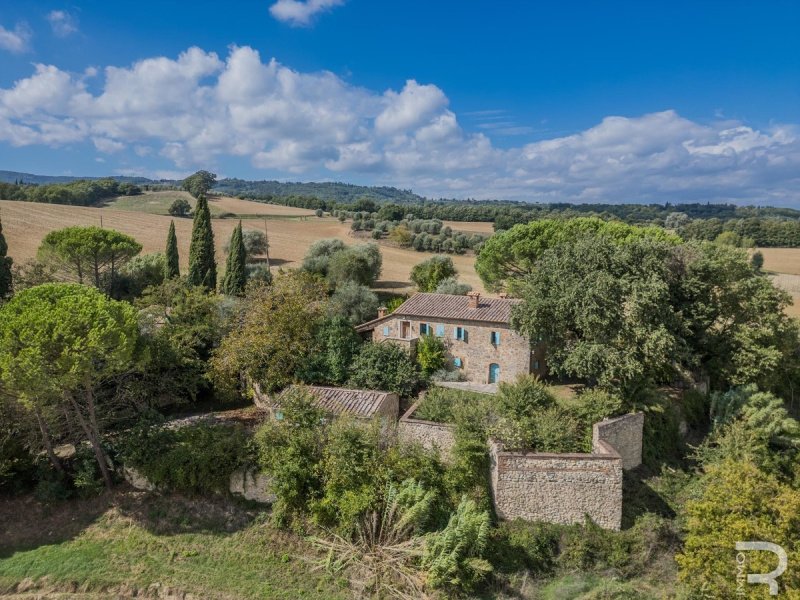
{"x": 514, "y": 354}
{"x": 426, "y": 433}
{"x": 624, "y": 434}
{"x": 557, "y": 488}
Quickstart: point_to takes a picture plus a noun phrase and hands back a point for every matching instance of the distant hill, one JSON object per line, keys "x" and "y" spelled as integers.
{"x": 340, "y": 192}
{"x": 15, "y": 176}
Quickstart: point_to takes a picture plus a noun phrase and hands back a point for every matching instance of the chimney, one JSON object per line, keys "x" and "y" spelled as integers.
{"x": 474, "y": 299}
{"x": 381, "y": 312}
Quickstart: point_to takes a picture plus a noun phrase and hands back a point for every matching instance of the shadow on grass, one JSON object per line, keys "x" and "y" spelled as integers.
{"x": 638, "y": 498}
{"x": 26, "y": 523}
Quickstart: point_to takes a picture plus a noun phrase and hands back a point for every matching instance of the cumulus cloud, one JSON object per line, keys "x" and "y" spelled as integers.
{"x": 62, "y": 23}
{"x": 301, "y": 12}
{"x": 197, "y": 109}
{"x": 15, "y": 40}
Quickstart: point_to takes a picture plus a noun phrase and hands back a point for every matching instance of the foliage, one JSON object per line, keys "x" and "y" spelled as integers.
{"x": 235, "y": 278}
{"x": 258, "y": 274}
{"x": 428, "y": 274}
{"x": 354, "y": 302}
{"x": 441, "y": 404}
{"x": 318, "y": 256}
{"x": 386, "y": 367}
{"x": 192, "y": 459}
{"x": 32, "y": 273}
{"x": 513, "y": 255}
{"x": 401, "y": 236}
{"x": 453, "y": 286}
{"x": 394, "y": 303}
{"x": 202, "y": 264}
{"x": 739, "y": 502}
{"x": 757, "y": 261}
{"x": 88, "y": 254}
{"x": 255, "y": 242}
{"x": 58, "y": 344}
{"x": 274, "y": 333}
{"x": 360, "y": 264}
{"x": 171, "y": 259}
{"x": 335, "y": 345}
{"x": 199, "y": 184}
{"x": 624, "y": 332}
{"x": 140, "y": 272}
{"x": 290, "y": 450}
{"x": 180, "y": 208}
{"x": 430, "y": 354}
{"x": 454, "y": 557}
{"x": 80, "y": 192}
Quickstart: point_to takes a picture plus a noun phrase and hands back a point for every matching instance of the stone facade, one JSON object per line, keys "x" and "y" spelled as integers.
{"x": 513, "y": 354}
{"x": 624, "y": 434}
{"x": 428, "y": 434}
{"x": 557, "y": 488}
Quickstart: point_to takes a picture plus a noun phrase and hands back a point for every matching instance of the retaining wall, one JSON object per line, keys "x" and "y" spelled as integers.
{"x": 429, "y": 434}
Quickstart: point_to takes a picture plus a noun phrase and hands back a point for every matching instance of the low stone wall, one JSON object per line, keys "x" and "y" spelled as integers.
{"x": 426, "y": 433}
{"x": 624, "y": 434}
{"x": 557, "y": 488}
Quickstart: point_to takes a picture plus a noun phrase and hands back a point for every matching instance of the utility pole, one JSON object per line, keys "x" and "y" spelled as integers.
{"x": 266, "y": 235}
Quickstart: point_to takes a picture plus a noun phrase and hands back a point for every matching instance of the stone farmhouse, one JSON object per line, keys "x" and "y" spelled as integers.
{"x": 476, "y": 332}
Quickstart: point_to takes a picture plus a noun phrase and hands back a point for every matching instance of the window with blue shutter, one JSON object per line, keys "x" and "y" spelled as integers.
{"x": 457, "y": 362}
{"x": 460, "y": 333}
{"x": 386, "y": 330}
{"x": 440, "y": 331}
{"x": 495, "y": 338}
{"x": 424, "y": 329}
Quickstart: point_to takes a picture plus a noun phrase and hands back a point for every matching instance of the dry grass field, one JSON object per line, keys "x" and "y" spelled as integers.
{"x": 471, "y": 227}
{"x": 26, "y": 223}
{"x": 784, "y": 263}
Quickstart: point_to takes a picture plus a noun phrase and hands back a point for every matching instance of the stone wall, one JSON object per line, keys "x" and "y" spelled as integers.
{"x": 624, "y": 434}
{"x": 250, "y": 484}
{"x": 426, "y": 433}
{"x": 513, "y": 354}
{"x": 557, "y": 488}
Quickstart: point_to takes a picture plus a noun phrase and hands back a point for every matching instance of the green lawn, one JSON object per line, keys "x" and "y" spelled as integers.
{"x": 210, "y": 549}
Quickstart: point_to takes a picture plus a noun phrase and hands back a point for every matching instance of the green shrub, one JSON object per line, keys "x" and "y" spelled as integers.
{"x": 385, "y": 367}
{"x": 430, "y": 354}
{"x": 454, "y": 557}
{"x": 695, "y": 409}
{"x": 521, "y": 545}
{"x": 441, "y": 404}
{"x": 194, "y": 459}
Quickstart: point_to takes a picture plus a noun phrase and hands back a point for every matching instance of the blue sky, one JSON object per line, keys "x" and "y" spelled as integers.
{"x": 568, "y": 101}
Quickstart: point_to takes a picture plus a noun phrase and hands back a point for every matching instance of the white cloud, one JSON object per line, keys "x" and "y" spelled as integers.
{"x": 62, "y": 23}
{"x": 301, "y": 12}
{"x": 194, "y": 110}
{"x": 16, "y": 40}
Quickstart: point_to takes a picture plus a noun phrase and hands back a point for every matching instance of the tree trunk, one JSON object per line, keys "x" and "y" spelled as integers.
{"x": 93, "y": 434}
{"x": 48, "y": 444}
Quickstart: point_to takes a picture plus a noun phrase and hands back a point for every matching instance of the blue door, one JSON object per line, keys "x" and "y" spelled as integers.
{"x": 494, "y": 373}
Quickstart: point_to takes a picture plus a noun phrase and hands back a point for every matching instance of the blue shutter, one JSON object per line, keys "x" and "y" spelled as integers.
{"x": 386, "y": 330}
{"x": 457, "y": 362}
{"x": 440, "y": 330}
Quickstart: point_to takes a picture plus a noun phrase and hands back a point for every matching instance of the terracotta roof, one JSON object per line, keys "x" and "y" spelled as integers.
{"x": 359, "y": 403}
{"x": 447, "y": 306}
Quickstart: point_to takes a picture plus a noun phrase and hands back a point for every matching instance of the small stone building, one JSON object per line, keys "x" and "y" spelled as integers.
{"x": 476, "y": 332}
{"x": 363, "y": 404}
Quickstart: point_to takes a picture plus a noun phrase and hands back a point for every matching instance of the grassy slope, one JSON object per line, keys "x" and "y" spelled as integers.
{"x": 207, "y": 547}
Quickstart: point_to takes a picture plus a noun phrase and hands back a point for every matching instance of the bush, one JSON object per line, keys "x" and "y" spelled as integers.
{"x": 180, "y": 208}
{"x": 453, "y": 286}
{"x": 194, "y": 459}
{"x": 360, "y": 264}
{"x": 354, "y": 302}
{"x": 428, "y": 274}
{"x": 521, "y": 545}
{"x": 386, "y": 367}
{"x": 430, "y": 354}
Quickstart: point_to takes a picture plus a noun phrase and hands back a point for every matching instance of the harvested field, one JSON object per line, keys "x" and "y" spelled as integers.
{"x": 26, "y": 223}
{"x": 471, "y": 227}
{"x": 781, "y": 260}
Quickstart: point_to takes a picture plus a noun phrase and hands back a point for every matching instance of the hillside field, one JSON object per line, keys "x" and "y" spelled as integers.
{"x": 291, "y": 231}
{"x": 784, "y": 264}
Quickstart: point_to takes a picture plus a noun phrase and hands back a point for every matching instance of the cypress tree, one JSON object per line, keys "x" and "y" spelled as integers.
{"x": 171, "y": 265}
{"x": 202, "y": 267}
{"x": 235, "y": 273}
{"x": 5, "y": 266}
